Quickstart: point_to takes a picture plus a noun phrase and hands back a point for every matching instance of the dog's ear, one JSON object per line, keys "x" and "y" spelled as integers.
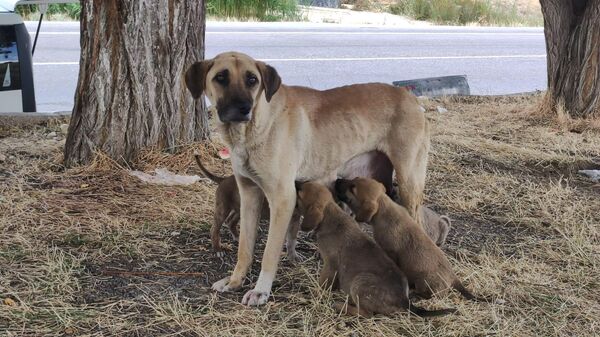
{"x": 312, "y": 218}
{"x": 195, "y": 77}
{"x": 270, "y": 79}
{"x": 367, "y": 211}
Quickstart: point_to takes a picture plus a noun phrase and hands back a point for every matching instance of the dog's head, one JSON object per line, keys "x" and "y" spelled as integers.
{"x": 234, "y": 83}
{"x": 362, "y": 195}
{"x": 312, "y": 200}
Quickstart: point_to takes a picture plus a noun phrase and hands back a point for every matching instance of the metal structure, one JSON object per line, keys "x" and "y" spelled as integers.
{"x": 17, "y": 93}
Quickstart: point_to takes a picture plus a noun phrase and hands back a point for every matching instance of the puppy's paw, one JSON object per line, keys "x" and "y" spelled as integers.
{"x": 255, "y": 298}
{"x": 220, "y": 254}
{"x": 224, "y": 285}
{"x": 294, "y": 257}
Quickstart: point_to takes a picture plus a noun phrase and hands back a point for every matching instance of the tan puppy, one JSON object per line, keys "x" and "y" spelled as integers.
{"x": 424, "y": 264}
{"x": 436, "y": 226}
{"x": 351, "y": 260}
{"x": 227, "y": 212}
{"x": 278, "y": 134}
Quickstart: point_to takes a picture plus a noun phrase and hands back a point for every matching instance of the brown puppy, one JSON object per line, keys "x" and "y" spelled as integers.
{"x": 424, "y": 264}
{"x": 227, "y": 211}
{"x": 436, "y": 226}
{"x": 351, "y": 260}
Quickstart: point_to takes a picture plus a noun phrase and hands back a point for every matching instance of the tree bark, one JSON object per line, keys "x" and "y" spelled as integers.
{"x": 131, "y": 92}
{"x": 572, "y": 30}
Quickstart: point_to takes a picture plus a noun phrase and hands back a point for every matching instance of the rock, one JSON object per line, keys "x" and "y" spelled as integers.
{"x": 2, "y": 158}
{"x": 64, "y": 128}
{"x": 593, "y": 174}
{"x": 441, "y": 109}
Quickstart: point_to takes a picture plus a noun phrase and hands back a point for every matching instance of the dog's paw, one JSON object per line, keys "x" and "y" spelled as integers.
{"x": 255, "y": 297}
{"x": 222, "y": 285}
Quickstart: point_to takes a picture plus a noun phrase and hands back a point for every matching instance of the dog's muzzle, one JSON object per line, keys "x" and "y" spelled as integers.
{"x": 239, "y": 112}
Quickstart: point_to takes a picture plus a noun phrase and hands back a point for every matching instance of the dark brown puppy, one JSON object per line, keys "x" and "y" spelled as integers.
{"x": 351, "y": 260}
{"x": 424, "y": 264}
{"x": 436, "y": 226}
{"x": 227, "y": 212}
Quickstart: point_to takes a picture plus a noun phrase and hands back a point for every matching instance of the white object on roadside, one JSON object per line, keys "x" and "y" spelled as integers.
{"x": 64, "y": 129}
{"x": 441, "y": 109}
{"x": 166, "y": 177}
{"x": 593, "y": 174}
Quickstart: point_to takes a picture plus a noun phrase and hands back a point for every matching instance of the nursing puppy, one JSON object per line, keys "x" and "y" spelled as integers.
{"x": 436, "y": 226}
{"x": 227, "y": 212}
{"x": 424, "y": 264}
{"x": 352, "y": 262}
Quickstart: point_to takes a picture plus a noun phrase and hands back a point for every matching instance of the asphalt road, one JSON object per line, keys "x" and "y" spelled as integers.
{"x": 495, "y": 60}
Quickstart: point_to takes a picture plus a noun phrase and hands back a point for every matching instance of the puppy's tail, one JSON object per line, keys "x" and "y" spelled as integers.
{"x": 429, "y": 313}
{"x": 469, "y": 295}
{"x": 206, "y": 172}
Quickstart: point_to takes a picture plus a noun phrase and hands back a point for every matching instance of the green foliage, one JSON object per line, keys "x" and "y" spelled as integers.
{"x": 55, "y": 11}
{"x": 461, "y": 12}
{"x": 262, "y": 10}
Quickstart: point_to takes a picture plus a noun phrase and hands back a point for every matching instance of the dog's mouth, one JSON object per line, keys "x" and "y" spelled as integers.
{"x": 236, "y": 112}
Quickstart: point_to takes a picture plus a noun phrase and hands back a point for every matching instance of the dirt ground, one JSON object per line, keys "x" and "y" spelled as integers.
{"x": 92, "y": 251}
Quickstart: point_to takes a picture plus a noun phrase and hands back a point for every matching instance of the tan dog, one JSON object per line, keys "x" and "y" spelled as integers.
{"x": 278, "y": 134}
{"x": 352, "y": 262}
{"x": 227, "y": 211}
{"x": 424, "y": 264}
{"x": 436, "y": 226}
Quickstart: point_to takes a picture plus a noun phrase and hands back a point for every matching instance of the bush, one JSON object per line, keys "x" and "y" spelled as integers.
{"x": 55, "y": 11}
{"x": 461, "y": 12}
{"x": 262, "y": 10}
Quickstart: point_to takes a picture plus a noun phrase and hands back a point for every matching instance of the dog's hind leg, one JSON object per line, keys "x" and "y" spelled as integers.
{"x": 409, "y": 155}
{"x": 251, "y": 203}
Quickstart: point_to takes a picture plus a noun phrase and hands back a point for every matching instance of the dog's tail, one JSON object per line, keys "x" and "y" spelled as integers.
{"x": 429, "y": 313}
{"x": 469, "y": 295}
{"x": 206, "y": 172}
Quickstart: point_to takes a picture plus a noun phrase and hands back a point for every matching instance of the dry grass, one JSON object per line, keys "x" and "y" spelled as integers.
{"x": 525, "y": 230}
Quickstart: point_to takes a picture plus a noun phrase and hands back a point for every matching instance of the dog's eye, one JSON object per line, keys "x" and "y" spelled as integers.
{"x": 251, "y": 80}
{"x": 221, "y": 78}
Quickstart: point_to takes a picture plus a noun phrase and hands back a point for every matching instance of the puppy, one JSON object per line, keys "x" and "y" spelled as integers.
{"x": 436, "y": 226}
{"x": 227, "y": 211}
{"x": 351, "y": 260}
{"x": 424, "y": 264}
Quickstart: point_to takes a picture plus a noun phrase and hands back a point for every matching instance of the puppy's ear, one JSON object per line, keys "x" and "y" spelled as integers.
{"x": 312, "y": 218}
{"x": 367, "y": 211}
{"x": 270, "y": 79}
{"x": 195, "y": 77}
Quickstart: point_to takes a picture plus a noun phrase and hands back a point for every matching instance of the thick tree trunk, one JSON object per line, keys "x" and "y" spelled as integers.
{"x": 131, "y": 91}
{"x": 572, "y": 29}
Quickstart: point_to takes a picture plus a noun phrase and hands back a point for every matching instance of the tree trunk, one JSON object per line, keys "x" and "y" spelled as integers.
{"x": 131, "y": 92}
{"x": 572, "y": 29}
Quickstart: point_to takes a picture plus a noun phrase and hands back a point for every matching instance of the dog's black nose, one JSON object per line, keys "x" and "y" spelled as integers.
{"x": 245, "y": 108}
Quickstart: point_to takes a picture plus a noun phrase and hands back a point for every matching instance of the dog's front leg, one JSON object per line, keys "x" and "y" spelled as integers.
{"x": 251, "y": 199}
{"x": 282, "y": 200}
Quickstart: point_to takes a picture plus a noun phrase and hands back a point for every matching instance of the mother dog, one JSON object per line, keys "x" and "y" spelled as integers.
{"x": 278, "y": 134}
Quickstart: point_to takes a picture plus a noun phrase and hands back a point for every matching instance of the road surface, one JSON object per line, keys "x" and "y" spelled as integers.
{"x": 495, "y": 60}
